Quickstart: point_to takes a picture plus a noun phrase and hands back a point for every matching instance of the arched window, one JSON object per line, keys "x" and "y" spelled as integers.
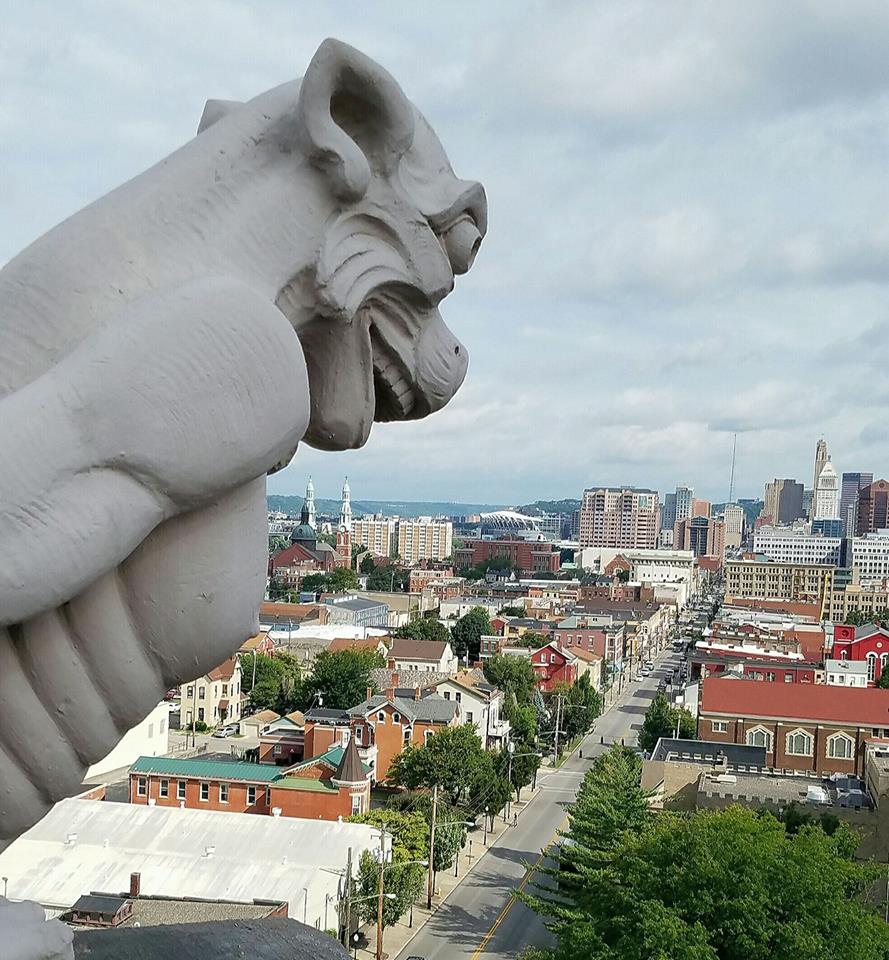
{"x": 883, "y": 658}
{"x": 799, "y": 743}
{"x": 840, "y": 746}
{"x": 759, "y": 737}
{"x": 844, "y": 654}
{"x": 871, "y": 667}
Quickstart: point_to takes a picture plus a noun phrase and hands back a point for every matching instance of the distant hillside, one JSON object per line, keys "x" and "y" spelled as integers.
{"x": 401, "y": 508}
{"x": 751, "y": 508}
{"x": 539, "y": 507}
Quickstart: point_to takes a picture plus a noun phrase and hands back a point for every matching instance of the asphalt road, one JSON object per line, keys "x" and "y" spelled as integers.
{"x": 480, "y": 919}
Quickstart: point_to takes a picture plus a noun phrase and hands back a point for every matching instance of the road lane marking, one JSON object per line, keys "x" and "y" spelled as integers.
{"x": 524, "y": 883}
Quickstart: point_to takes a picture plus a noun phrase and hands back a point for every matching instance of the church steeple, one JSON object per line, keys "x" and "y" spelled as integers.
{"x": 346, "y": 510}
{"x": 309, "y": 506}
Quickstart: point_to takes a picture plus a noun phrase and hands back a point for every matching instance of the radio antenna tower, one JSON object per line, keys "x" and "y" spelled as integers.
{"x": 731, "y": 483}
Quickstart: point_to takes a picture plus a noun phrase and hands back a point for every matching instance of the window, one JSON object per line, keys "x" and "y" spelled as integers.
{"x": 871, "y": 667}
{"x": 407, "y": 734}
{"x": 381, "y": 716}
{"x": 799, "y": 743}
{"x": 205, "y": 791}
{"x": 180, "y": 789}
{"x": 223, "y": 793}
{"x": 359, "y": 735}
{"x": 356, "y": 804}
{"x": 840, "y": 746}
{"x": 552, "y": 658}
{"x": 396, "y": 718}
{"x": 161, "y": 727}
{"x": 251, "y": 796}
{"x": 788, "y": 678}
{"x": 202, "y": 693}
{"x": 718, "y": 726}
{"x": 141, "y": 787}
{"x": 150, "y": 731}
{"x": 447, "y": 694}
{"x": 759, "y": 737}
{"x": 427, "y": 734}
{"x": 189, "y": 692}
{"x": 201, "y": 714}
{"x": 225, "y": 689}
{"x": 469, "y": 716}
{"x": 770, "y": 676}
{"x": 277, "y": 750}
{"x": 164, "y": 790}
{"x": 458, "y": 696}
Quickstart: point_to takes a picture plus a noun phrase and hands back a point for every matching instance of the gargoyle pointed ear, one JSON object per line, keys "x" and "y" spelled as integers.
{"x": 215, "y": 110}
{"x": 353, "y": 117}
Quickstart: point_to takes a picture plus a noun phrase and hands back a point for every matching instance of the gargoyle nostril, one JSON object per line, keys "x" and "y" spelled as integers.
{"x": 456, "y": 351}
{"x": 461, "y": 242}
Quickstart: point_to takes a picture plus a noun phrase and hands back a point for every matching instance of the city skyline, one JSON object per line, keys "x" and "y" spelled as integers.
{"x": 687, "y": 218}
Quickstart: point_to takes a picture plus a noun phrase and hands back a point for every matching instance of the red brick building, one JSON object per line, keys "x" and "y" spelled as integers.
{"x": 552, "y": 664}
{"x": 324, "y": 729}
{"x": 529, "y": 556}
{"x": 334, "y": 784}
{"x": 385, "y": 724}
{"x": 869, "y": 644}
{"x": 802, "y": 726}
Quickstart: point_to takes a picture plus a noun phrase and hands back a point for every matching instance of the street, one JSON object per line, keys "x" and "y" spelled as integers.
{"x": 480, "y": 919}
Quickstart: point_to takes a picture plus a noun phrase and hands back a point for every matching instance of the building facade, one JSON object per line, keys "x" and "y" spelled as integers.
{"x": 784, "y": 545}
{"x": 852, "y": 485}
{"x": 735, "y": 521}
{"x": 702, "y": 536}
{"x": 529, "y": 556}
{"x": 802, "y": 726}
{"x": 377, "y": 534}
{"x": 620, "y": 517}
{"x": 215, "y": 698}
{"x": 783, "y": 501}
{"x": 826, "y": 502}
{"x": 553, "y": 665}
{"x": 777, "y": 581}
{"x": 873, "y": 508}
{"x": 357, "y": 611}
{"x": 425, "y": 538}
{"x": 868, "y": 645}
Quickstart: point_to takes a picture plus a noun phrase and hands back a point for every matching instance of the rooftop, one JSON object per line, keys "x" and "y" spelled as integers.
{"x": 708, "y": 751}
{"x": 152, "y": 911}
{"x": 355, "y": 603}
{"x": 865, "y": 706}
{"x": 431, "y": 709}
{"x": 405, "y": 649}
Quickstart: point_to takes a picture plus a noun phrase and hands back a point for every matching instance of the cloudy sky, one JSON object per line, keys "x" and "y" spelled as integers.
{"x": 689, "y": 216}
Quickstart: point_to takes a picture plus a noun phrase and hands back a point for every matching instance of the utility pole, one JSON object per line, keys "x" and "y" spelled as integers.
{"x": 558, "y": 719}
{"x": 429, "y": 876}
{"x": 380, "y": 894}
{"x": 347, "y": 899}
{"x": 510, "y": 748}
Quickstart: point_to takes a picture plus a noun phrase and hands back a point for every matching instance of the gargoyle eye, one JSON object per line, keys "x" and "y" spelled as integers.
{"x": 461, "y": 241}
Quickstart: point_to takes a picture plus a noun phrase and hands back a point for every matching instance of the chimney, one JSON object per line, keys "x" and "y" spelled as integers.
{"x": 390, "y": 693}
{"x": 135, "y": 885}
{"x": 394, "y": 678}
{"x": 416, "y": 693}
{"x": 370, "y": 693}
{"x": 391, "y": 664}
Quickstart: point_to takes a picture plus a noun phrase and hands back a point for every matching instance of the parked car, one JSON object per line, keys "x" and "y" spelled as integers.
{"x": 227, "y": 731}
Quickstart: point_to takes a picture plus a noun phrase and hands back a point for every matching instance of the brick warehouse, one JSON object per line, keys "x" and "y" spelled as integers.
{"x": 803, "y": 727}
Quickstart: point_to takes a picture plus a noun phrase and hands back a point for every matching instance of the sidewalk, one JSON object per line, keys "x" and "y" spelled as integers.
{"x": 396, "y": 937}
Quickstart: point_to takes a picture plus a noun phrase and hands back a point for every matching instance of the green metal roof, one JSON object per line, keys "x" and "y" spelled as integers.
{"x": 207, "y": 769}
{"x": 304, "y": 783}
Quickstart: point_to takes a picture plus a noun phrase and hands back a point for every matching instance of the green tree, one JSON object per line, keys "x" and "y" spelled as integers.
{"x": 520, "y": 772}
{"x": 450, "y": 758}
{"x": 468, "y": 630}
{"x": 314, "y": 582}
{"x": 388, "y": 578}
{"x": 424, "y": 628}
{"x": 408, "y": 834}
{"x": 342, "y": 677}
{"x": 450, "y": 829}
{"x": 531, "y": 639}
{"x": 660, "y": 721}
{"x": 340, "y": 579}
{"x": 582, "y": 705}
{"x": 523, "y": 720}
{"x": 367, "y": 563}
{"x": 511, "y": 610}
{"x": 512, "y": 674}
{"x": 883, "y": 682}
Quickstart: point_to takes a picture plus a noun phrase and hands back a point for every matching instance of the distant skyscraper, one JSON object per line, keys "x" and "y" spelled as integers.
{"x": 873, "y": 508}
{"x": 668, "y": 514}
{"x": 346, "y": 510}
{"x": 826, "y": 504}
{"x": 735, "y": 520}
{"x": 853, "y": 484}
{"x": 821, "y": 458}
{"x": 310, "y": 505}
{"x": 783, "y": 501}
{"x": 684, "y": 498}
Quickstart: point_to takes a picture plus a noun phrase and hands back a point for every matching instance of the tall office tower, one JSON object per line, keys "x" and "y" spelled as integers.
{"x": 821, "y": 458}
{"x": 734, "y": 520}
{"x": 619, "y": 517}
{"x": 853, "y": 484}
{"x": 783, "y": 501}
{"x": 684, "y": 498}
{"x": 826, "y": 505}
{"x": 346, "y": 509}
{"x": 873, "y": 508}
{"x": 310, "y": 505}
{"x": 704, "y": 536}
{"x": 700, "y": 508}
{"x": 668, "y": 512}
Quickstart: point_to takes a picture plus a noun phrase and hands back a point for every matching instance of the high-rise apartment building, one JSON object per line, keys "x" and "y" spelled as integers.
{"x": 378, "y": 534}
{"x": 853, "y": 484}
{"x": 684, "y": 498}
{"x": 783, "y": 501}
{"x": 873, "y": 508}
{"x": 826, "y": 504}
{"x": 620, "y": 517}
{"x": 424, "y": 538}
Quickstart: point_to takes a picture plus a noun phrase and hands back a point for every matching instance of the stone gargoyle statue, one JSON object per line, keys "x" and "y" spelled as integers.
{"x": 275, "y": 280}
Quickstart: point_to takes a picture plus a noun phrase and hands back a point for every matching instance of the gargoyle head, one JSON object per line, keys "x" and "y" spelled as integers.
{"x": 401, "y": 227}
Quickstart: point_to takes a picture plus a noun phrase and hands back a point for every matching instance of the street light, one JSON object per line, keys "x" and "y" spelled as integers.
{"x": 305, "y": 902}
